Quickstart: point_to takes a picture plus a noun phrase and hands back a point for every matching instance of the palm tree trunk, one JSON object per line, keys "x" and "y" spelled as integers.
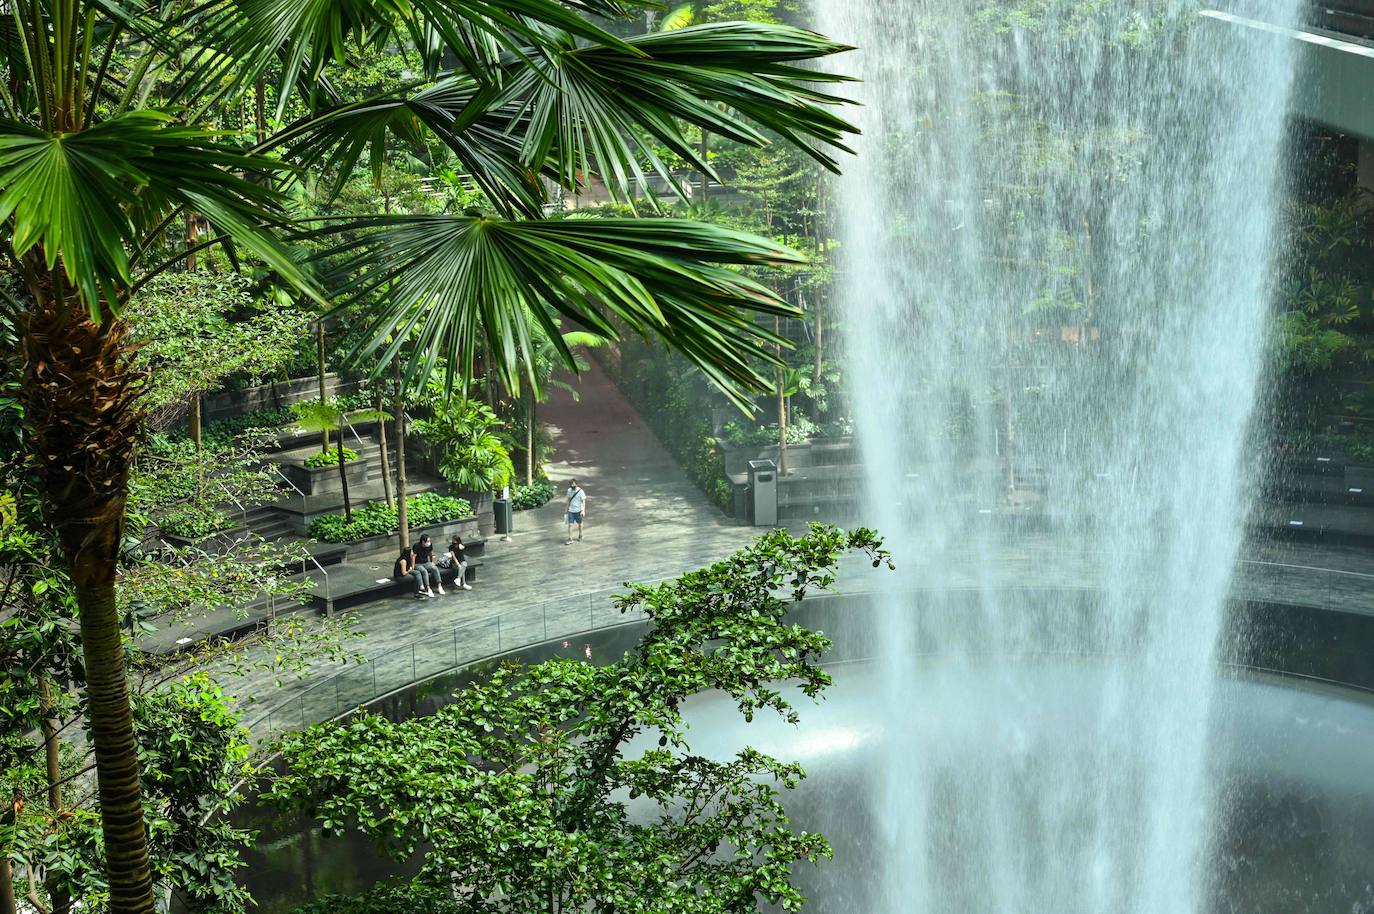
{"x": 381, "y": 438}
{"x": 80, "y": 391}
{"x": 343, "y": 481}
{"x": 529, "y": 436}
{"x": 402, "y": 522}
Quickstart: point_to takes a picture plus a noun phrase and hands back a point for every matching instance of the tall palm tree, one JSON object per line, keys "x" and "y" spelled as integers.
{"x": 118, "y": 124}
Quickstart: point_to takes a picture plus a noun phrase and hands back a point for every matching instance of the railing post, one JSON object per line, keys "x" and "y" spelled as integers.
{"x": 412, "y": 661}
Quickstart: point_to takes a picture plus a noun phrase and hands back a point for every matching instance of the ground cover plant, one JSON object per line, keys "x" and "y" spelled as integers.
{"x": 376, "y": 518}
{"x": 517, "y": 796}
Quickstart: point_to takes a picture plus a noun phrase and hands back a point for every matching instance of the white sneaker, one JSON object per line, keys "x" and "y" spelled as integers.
{"x": 467, "y": 586}
{"x": 427, "y": 593}
{"x": 441, "y": 589}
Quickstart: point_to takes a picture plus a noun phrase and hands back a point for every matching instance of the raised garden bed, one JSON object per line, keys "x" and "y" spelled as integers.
{"x": 317, "y": 480}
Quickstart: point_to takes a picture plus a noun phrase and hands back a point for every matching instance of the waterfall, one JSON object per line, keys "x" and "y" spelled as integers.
{"x": 1054, "y": 271}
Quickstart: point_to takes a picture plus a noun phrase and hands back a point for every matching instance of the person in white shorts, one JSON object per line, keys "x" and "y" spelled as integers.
{"x": 577, "y": 510}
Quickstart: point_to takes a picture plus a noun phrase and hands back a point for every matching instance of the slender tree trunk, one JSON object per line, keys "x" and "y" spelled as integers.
{"x": 61, "y": 902}
{"x": 343, "y": 481}
{"x": 193, "y": 424}
{"x": 80, "y": 391}
{"x": 782, "y": 408}
{"x": 402, "y": 521}
{"x": 529, "y": 436}
{"x": 260, "y": 108}
{"x": 705, "y": 178}
{"x": 324, "y": 389}
{"x": 8, "y": 903}
{"x": 381, "y": 438}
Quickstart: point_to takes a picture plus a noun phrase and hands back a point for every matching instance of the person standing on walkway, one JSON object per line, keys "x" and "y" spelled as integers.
{"x": 424, "y": 563}
{"x": 577, "y": 510}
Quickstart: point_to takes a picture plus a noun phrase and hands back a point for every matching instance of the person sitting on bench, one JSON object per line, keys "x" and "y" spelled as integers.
{"x": 457, "y": 558}
{"x": 424, "y": 564}
{"x": 405, "y": 568}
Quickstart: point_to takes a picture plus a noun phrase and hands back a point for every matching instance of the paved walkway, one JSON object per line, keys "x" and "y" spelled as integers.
{"x": 645, "y": 521}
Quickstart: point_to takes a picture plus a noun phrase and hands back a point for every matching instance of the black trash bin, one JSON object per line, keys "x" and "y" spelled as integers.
{"x": 505, "y": 516}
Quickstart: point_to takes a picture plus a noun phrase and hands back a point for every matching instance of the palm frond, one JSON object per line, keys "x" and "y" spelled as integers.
{"x": 452, "y": 283}
{"x": 298, "y": 37}
{"x": 599, "y": 108}
{"x": 457, "y": 110}
{"x": 87, "y": 197}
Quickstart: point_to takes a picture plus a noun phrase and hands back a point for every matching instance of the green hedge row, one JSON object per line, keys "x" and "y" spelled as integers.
{"x": 375, "y": 518}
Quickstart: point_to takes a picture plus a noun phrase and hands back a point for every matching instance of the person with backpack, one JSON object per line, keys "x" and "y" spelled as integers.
{"x": 577, "y": 510}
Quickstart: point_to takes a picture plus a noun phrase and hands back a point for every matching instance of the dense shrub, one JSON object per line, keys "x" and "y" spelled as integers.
{"x": 536, "y": 495}
{"x": 192, "y": 522}
{"x": 375, "y": 518}
{"x": 330, "y": 458}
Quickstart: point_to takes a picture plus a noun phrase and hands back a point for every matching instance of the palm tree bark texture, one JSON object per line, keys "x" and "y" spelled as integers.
{"x": 81, "y": 393}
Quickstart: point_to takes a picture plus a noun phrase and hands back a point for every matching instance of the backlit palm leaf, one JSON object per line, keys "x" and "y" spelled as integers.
{"x": 456, "y": 282}
{"x": 590, "y": 107}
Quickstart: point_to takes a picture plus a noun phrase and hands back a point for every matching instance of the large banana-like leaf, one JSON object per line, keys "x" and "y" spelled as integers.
{"x": 591, "y": 107}
{"x": 87, "y": 198}
{"x": 454, "y": 283}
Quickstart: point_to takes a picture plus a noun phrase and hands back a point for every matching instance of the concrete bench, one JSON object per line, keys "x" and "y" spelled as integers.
{"x": 346, "y": 595}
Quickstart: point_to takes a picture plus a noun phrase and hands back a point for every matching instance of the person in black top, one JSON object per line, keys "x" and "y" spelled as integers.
{"x": 458, "y": 558}
{"x": 405, "y": 568}
{"x": 424, "y": 564}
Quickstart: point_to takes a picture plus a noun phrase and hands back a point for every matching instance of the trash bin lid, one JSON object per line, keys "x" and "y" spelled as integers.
{"x": 762, "y": 465}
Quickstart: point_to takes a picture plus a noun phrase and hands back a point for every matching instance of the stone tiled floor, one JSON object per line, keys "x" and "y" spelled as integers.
{"x": 645, "y": 521}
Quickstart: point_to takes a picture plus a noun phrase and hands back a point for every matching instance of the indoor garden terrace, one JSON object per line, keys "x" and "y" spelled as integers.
{"x": 538, "y": 456}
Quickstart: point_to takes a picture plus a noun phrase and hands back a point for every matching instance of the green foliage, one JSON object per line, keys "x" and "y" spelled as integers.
{"x": 198, "y": 329}
{"x": 1308, "y": 347}
{"x": 536, "y": 495}
{"x": 193, "y": 753}
{"x": 193, "y": 522}
{"x": 375, "y": 518}
{"x": 330, "y": 458}
{"x": 517, "y": 795}
{"x": 470, "y": 453}
{"x": 390, "y": 897}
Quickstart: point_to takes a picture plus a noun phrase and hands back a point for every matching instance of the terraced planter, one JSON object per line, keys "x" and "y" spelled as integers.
{"x": 325, "y": 479}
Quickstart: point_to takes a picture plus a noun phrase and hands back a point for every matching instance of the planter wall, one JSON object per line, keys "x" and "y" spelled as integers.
{"x": 815, "y": 452}
{"x": 266, "y": 396}
{"x": 322, "y": 480}
{"x": 466, "y": 527}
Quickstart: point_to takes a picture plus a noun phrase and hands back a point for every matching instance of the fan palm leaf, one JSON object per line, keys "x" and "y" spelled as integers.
{"x": 453, "y": 282}
{"x": 598, "y": 108}
{"x": 87, "y": 198}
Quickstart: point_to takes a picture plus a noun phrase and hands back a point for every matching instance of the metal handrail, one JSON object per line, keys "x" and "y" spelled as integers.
{"x": 328, "y": 599}
{"x": 286, "y": 479}
{"x": 542, "y": 632}
{"x": 356, "y": 437}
